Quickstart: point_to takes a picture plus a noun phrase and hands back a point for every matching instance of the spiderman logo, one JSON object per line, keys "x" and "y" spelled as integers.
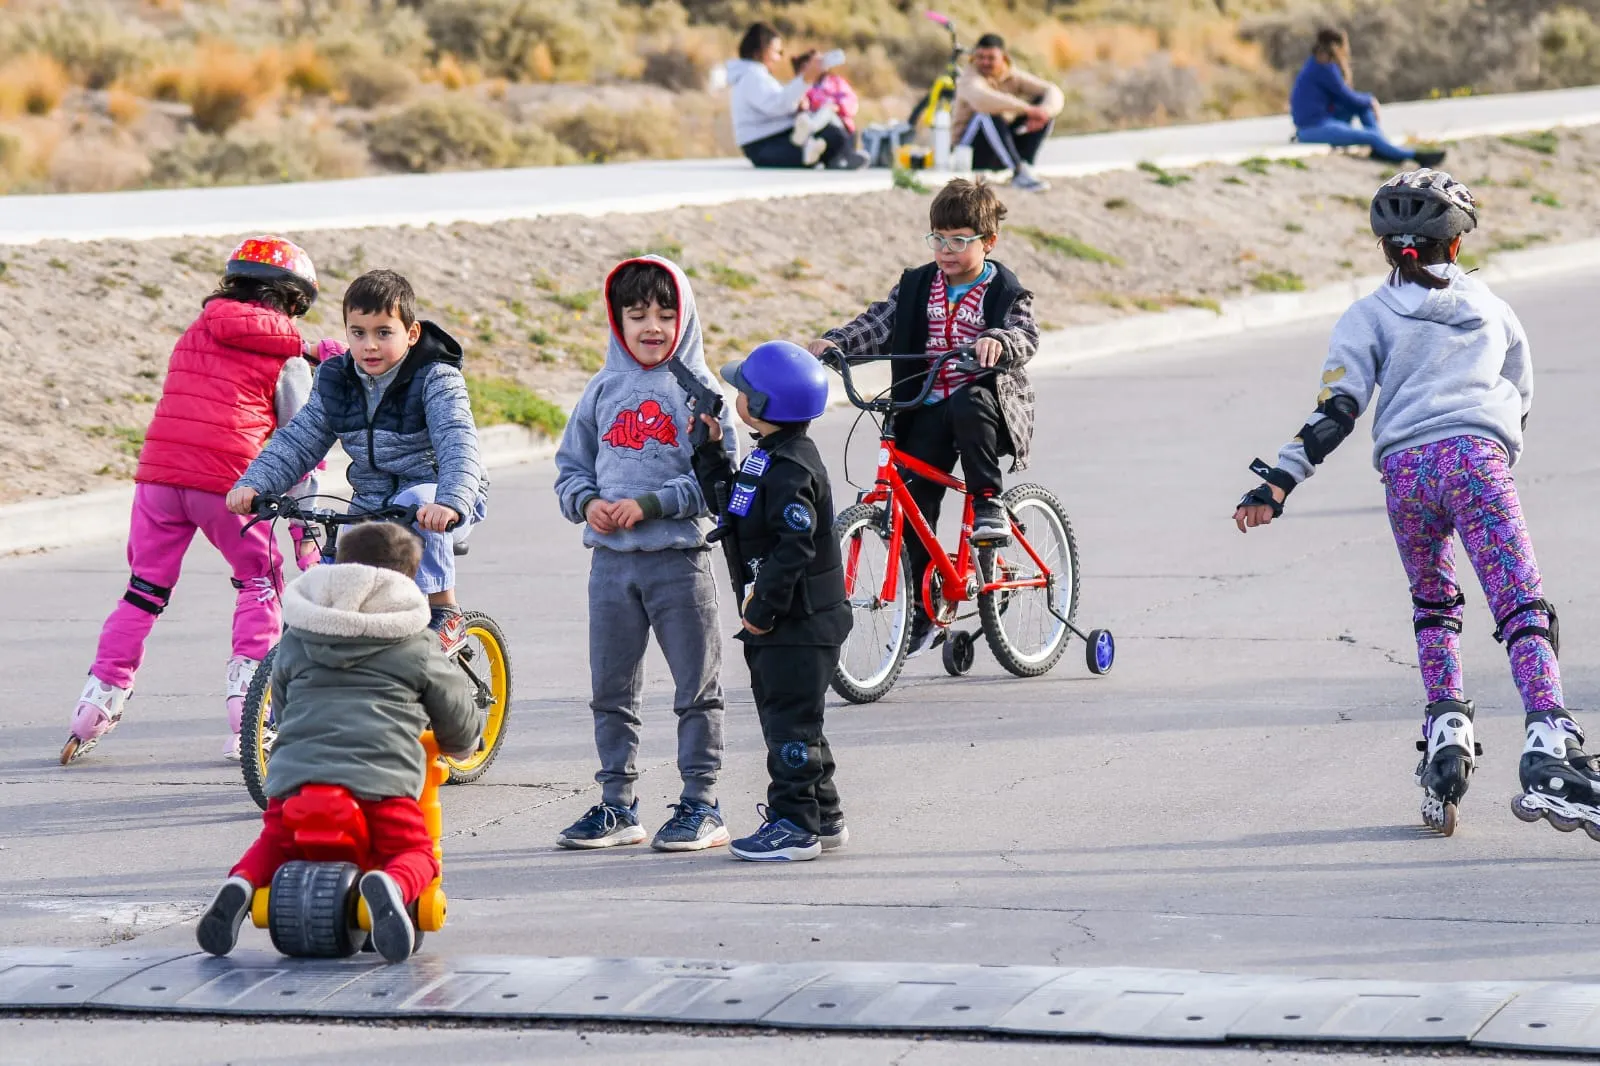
{"x": 635, "y": 427}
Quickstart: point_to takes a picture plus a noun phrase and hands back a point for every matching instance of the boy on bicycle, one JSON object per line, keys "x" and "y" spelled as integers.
{"x": 398, "y": 403}
{"x": 356, "y": 681}
{"x": 624, "y": 472}
{"x": 962, "y": 299}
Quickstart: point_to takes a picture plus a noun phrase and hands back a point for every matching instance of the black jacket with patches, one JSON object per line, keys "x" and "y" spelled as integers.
{"x": 788, "y": 557}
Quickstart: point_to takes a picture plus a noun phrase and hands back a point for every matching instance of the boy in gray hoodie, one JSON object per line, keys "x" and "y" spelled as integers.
{"x": 1450, "y": 366}
{"x": 358, "y": 678}
{"x": 624, "y": 472}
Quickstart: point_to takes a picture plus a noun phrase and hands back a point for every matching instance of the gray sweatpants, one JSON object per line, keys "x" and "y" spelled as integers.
{"x": 673, "y": 593}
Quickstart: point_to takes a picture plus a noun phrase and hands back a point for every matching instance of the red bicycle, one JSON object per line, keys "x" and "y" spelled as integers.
{"x": 1026, "y": 593}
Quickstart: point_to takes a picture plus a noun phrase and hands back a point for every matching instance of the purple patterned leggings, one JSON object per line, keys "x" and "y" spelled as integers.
{"x": 1464, "y": 485}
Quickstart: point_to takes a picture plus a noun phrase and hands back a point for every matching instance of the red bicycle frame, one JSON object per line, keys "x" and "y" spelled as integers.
{"x": 957, "y": 579}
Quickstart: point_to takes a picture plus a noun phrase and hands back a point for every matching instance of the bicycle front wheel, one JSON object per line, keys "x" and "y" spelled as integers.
{"x": 487, "y": 664}
{"x": 880, "y": 632}
{"x": 1022, "y": 632}
{"x": 258, "y": 730}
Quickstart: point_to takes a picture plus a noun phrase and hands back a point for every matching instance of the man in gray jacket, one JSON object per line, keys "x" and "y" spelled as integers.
{"x": 356, "y": 681}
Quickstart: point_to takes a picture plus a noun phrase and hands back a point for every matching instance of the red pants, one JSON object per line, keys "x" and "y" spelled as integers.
{"x": 397, "y": 833}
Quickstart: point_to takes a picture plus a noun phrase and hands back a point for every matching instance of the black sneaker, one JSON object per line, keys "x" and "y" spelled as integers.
{"x": 1429, "y": 157}
{"x": 694, "y": 826}
{"x": 925, "y": 636}
{"x": 991, "y": 526}
{"x": 604, "y": 826}
{"x": 835, "y": 834}
{"x": 779, "y": 840}
{"x": 218, "y": 931}
{"x": 393, "y": 935}
{"x": 849, "y": 160}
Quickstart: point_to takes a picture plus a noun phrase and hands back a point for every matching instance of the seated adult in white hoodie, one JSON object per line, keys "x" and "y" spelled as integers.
{"x": 764, "y": 109}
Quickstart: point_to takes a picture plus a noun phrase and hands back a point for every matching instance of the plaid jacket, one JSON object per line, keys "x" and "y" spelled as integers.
{"x": 873, "y": 332}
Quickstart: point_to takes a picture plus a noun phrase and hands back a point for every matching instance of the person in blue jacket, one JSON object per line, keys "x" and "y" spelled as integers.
{"x": 1326, "y": 109}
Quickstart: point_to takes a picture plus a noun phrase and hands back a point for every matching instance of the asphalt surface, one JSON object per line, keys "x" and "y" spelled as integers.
{"x": 1235, "y": 795}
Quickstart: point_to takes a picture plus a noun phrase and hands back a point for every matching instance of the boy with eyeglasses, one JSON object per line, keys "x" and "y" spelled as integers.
{"x": 962, "y": 299}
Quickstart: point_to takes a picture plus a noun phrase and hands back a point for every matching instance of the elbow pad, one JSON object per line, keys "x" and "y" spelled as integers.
{"x": 1338, "y": 420}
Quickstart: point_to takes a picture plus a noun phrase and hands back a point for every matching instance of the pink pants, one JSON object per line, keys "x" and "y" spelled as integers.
{"x": 163, "y": 524}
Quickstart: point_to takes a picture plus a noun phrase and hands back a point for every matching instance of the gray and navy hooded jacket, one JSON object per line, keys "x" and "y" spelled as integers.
{"x": 420, "y": 431}
{"x": 628, "y": 438}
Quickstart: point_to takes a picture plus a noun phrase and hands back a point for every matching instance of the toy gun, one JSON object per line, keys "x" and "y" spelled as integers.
{"x": 703, "y": 400}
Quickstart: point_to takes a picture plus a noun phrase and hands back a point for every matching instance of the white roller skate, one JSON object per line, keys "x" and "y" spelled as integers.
{"x": 1449, "y": 754}
{"x": 1560, "y": 783}
{"x": 98, "y": 712}
{"x": 241, "y": 672}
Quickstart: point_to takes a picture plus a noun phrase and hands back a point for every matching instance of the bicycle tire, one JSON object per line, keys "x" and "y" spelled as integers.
{"x": 254, "y": 726}
{"x": 994, "y": 606}
{"x": 311, "y": 910}
{"x": 869, "y": 518}
{"x": 493, "y": 639}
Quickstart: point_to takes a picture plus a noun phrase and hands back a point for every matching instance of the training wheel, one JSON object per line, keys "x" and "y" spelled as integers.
{"x": 1101, "y": 651}
{"x": 960, "y": 650}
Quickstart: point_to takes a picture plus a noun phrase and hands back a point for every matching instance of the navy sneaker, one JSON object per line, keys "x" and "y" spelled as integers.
{"x": 218, "y": 931}
{"x": 835, "y": 834}
{"x": 694, "y": 826}
{"x": 925, "y": 636}
{"x": 779, "y": 840}
{"x": 393, "y": 935}
{"x": 604, "y": 826}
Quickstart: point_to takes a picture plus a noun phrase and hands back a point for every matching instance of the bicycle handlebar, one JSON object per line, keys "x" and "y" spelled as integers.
{"x": 960, "y": 359}
{"x": 270, "y": 507}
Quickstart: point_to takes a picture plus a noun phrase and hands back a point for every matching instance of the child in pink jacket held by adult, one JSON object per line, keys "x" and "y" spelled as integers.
{"x": 240, "y": 371}
{"x": 830, "y": 96}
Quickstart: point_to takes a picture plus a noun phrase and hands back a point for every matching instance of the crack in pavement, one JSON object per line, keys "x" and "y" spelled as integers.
{"x": 568, "y": 793}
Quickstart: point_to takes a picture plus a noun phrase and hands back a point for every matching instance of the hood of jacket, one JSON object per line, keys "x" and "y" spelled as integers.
{"x": 740, "y": 69}
{"x": 252, "y": 327}
{"x": 354, "y": 609}
{"x": 689, "y": 346}
{"x": 1460, "y": 304}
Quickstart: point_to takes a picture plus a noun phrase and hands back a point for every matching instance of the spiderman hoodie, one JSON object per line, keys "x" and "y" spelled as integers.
{"x": 628, "y": 438}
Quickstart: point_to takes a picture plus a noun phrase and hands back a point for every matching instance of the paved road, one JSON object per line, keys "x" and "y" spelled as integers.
{"x": 495, "y": 195}
{"x": 1236, "y": 795}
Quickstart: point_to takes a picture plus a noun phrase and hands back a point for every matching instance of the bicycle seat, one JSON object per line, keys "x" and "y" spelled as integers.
{"x": 328, "y": 825}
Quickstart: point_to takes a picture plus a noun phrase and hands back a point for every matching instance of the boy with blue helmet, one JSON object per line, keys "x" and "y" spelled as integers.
{"x": 775, "y": 518}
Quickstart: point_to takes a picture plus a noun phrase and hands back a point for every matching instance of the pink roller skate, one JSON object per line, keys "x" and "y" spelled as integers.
{"x": 98, "y": 712}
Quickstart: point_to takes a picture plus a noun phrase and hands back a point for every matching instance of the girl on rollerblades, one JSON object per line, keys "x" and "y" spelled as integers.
{"x": 1451, "y": 368}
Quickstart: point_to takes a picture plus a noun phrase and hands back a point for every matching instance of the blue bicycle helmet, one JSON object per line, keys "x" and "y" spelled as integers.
{"x": 784, "y": 382}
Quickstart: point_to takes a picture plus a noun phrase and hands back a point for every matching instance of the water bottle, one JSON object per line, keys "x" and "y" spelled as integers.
{"x": 941, "y": 139}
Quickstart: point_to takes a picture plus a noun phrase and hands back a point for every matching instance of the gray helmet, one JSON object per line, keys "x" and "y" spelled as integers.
{"x": 1424, "y": 203}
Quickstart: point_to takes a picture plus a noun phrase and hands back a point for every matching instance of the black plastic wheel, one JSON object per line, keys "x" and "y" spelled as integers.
{"x": 311, "y": 911}
{"x": 960, "y": 651}
{"x": 1100, "y": 651}
{"x": 488, "y": 668}
{"x": 256, "y": 730}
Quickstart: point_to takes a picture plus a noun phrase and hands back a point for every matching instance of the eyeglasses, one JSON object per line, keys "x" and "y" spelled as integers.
{"x": 941, "y": 243}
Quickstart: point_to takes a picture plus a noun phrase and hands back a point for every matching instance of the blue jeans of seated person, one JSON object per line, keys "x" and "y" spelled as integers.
{"x": 1339, "y": 130}
{"x": 437, "y": 573}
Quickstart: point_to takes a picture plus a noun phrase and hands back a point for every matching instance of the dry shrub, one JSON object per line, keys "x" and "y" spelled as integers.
{"x": 165, "y": 83}
{"x": 1569, "y": 49}
{"x": 533, "y": 40}
{"x": 451, "y": 73}
{"x": 124, "y": 107}
{"x": 683, "y": 63}
{"x": 94, "y": 42}
{"x": 456, "y": 132}
{"x": 1154, "y": 92}
{"x": 375, "y": 81}
{"x": 94, "y": 164}
{"x": 873, "y": 74}
{"x": 258, "y": 153}
{"x": 308, "y": 72}
{"x": 604, "y": 135}
{"x": 226, "y": 86}
{"x": 32, "y": 83}
{"x": 26, "y": 150}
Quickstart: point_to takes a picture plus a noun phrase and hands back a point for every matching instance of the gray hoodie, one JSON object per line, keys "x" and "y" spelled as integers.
{"x": 357, "y": 678}
{"x": 761, "y": 105}
{"x": 1450, "y": 362}
{"x": 628, "y": 439}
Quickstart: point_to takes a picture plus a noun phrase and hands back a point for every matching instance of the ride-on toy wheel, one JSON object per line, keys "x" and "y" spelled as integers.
{"x": 1100, "y": 651}
{"x": 311, "y": 910}
{"x": 960, "y": 650}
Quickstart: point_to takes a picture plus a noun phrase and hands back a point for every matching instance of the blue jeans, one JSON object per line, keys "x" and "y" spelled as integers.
{"x": 1339, "y": 130}
{"x": 438, "y": 570}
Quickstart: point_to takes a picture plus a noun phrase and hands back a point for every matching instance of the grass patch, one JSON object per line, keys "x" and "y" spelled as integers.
{"x": 4, "y": 266}
{"x": 1345, "y": 264}
{"x": 496, "y": 400}
{"x": 1469, "y": 260}
{"x": 1293, "y": 227}
{"x": 1163, "y": 177}
{"x": 1352, "y": 201}
{"x": 1257, "y": 165}
{"x": 131, "y": 438}
{"x": 729, "y": 278}
{"x": 1517, "y": 244}
{"x": 904, "y": 178}
{"x": 662, "y": 246}
{"x": 539, "y": 336}
{"x": 1116, "y": 203}
{"x": 1204, "y": 303}
{"x": 1547, "y": 199}
{"x": 1061, "y": 244}
{"x": 1292, "y": 162}
{"x": 1278, "y": 281}
{"x": 794, "y": 270}
{"x": 1234, "y": 179}
{"x": 57, "y": 264}
{"x": 151, "y": 291}
{"x": 579, "y": 301}
{"x": 1545, "y": 142}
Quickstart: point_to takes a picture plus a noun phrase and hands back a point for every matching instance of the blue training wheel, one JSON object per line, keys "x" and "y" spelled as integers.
{"x": 1101, "y": 651}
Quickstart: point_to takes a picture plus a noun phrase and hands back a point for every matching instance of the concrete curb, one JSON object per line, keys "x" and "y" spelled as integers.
{"x": 95, "y": 517}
